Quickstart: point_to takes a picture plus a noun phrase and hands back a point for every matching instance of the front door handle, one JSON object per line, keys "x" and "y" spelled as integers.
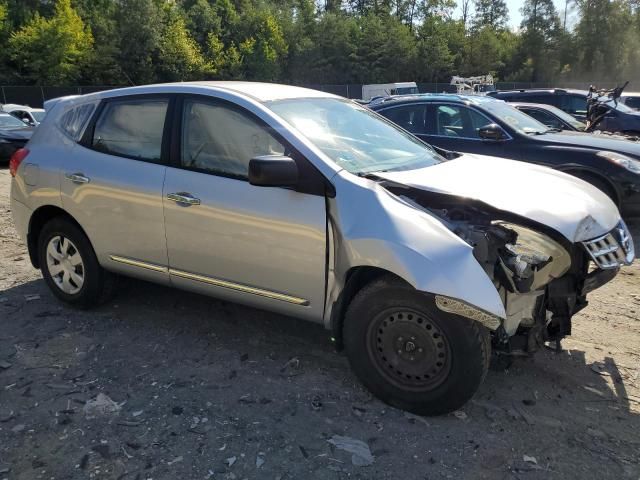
{"x": 183, "y": 198}
{"x": 77, "y": 178}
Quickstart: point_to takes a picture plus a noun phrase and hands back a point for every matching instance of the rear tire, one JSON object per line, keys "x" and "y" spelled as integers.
{"x": 409, "y": 353}
{"x": 70, "y": 267}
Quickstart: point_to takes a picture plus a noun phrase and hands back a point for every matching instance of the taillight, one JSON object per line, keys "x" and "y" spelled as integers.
{"x": 16, "y": 159}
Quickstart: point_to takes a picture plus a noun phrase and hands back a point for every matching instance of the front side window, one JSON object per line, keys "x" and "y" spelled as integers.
{"x": 220, "y": 139}
{"x": 459, "y": 121}
{"x": 354, "y": 137}
{"x": 131, "y": 128}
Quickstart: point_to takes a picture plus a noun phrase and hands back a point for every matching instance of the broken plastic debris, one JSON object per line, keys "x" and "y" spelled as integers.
{"x": 18, "y": 428}
{"x": 101, "y": 405}
{"x": 530, "y": 459}
{"x": 32, "y": 297}
{"x": 259, "y": 461}
{"x": 175, "y": 460}
{"x": 230, "y": 461}
{"x": 460, "y": 414}
{"x": 360, "y": 453}
{"x": 137, "y": 413}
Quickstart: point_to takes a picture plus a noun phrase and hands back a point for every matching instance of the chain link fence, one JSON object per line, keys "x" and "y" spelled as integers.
{"x": 35, "y": 96}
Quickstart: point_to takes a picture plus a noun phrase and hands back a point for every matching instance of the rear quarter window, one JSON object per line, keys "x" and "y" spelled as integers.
{"x": 73, "y": 122}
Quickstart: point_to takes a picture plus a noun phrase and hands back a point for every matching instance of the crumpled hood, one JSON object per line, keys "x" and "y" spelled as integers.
{"x": 16, "y": 133}
{"x": 572, "y": 207}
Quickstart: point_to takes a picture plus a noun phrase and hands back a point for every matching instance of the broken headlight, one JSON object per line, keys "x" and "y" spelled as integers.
{"x": 531, "y": 259}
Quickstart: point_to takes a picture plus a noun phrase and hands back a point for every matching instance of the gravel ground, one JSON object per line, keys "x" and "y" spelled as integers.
{"x": 162, "y": 384}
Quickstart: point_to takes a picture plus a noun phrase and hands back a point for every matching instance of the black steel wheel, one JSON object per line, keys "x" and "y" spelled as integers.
{"x": 409, "y": 349}
{"x": 409, "y": 353}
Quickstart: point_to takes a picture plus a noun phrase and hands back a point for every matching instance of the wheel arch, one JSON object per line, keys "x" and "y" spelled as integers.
{"x": 356, "y": 279}
{"x": 40, "y": 217}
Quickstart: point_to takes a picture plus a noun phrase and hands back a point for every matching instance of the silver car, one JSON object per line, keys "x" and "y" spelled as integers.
{"x": 311, "y": 205}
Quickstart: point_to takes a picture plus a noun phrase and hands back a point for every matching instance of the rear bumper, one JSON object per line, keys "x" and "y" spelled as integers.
{"x": 21, "y": 215}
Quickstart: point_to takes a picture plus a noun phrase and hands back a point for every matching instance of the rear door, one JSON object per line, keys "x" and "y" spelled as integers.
{"x": 263, "y": 246}
{"x": 112, "y": 184}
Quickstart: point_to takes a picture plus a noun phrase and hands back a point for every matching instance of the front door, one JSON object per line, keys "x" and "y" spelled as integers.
{"x": 112, "y": 185}
{"x": 263, "y": 246}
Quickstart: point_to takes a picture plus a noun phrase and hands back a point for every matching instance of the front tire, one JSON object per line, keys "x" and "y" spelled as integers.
{"x": 410, "y": 354}
{"x": 70, "y": 267}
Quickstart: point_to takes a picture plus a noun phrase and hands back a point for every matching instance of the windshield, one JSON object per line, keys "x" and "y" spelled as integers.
{"x": 565, "y": 117}
{"x": 513, "y": 117}
{"x": 354, "y": 137}
{"x": 39, "y": 116}
{"x": 7, "y": 121}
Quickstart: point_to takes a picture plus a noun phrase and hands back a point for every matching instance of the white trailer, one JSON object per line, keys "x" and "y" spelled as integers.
{"x": 384, "y": 89}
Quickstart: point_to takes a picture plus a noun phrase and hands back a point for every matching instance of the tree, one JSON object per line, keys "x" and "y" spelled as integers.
{"x": 138, "y": 41}
{"x": 51, "y": 50}
{"x": 179, "y": 56}
{"x": 490, "y": 13}
{"x": 541, "y": 29}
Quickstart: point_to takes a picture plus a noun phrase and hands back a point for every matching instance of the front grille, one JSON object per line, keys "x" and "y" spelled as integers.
{"x": 613, "y": 249}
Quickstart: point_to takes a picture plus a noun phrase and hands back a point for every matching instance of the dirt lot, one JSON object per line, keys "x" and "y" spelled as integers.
{"x": 206, "y": 389}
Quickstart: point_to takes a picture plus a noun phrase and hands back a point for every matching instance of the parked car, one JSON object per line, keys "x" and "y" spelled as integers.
{"x": 485, "y": 126}
{"x": 620, "y": 119}
{"x": 572, "y": 101}
{"x": 631, "y": 100}
{"x": 13, "y": 135}
{"x": 30, "y": 116}
{"x": 311, "y": 205}
{"x": 551, "y": 116}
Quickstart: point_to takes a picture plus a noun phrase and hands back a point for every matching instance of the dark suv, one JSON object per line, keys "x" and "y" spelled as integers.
{"x": 485, "y": 126}
{"x": 620, "y": 118}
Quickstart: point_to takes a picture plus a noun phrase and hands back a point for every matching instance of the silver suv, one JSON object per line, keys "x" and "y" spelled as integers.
{"x": 311, "y": 205}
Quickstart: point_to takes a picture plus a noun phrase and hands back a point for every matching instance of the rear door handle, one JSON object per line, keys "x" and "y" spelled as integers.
{"x": 183, "y": 198}
{"x": 77, "y": 178}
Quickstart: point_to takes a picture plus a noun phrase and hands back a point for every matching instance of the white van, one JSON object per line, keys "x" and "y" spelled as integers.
{"x": 383, "y": 89}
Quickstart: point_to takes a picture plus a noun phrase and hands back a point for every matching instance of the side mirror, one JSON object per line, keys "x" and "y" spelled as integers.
{"x": 492, "y": 132}
{"x": 273, "y": 171}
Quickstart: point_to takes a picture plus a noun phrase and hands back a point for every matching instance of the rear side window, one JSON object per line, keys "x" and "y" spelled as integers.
{"x": 574, "y": 104}
{"x": 632, "y": 102}
{"x": 131, "y": 128}
{"x": 409, "y": 117}
{"x": 75, "y": 119}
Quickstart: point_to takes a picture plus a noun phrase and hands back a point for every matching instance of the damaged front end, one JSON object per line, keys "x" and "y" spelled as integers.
{"x": 542, "y": 278}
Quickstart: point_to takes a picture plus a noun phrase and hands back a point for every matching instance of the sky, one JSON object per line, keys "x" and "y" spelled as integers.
{"x": 515, "y": 16}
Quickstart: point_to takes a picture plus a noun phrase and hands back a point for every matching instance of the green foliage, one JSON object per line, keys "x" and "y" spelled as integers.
{"x": 103, "y": 42}
{"x": 51, "y": 50}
